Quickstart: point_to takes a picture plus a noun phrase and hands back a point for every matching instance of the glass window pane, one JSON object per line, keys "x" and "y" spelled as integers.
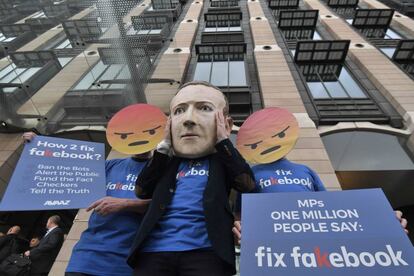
{"x": 316, "y": 36}
{"x": 27, "y": 74}
{"x": 9, "y": 89}
{"x": 219, "y": 75}
{"x": 64, "y": 44}
{"x": 110, "y": 73}
{"x": 210, "y": 30}
{"x": 6, "y": 71}
{"x": 223, "y": 29}
{"x": 14, "y": 74}
{"x": 89, "y": 78}
{"x": 237, "y": 73}
{"x": 64, "y": 60}
{"x": 353, "y": 89}
{"x": 335, "y": 90}
{"x": 388, "y": 51}
{"x": 317, "y": 90}
{"x": 202, "y": 71}
{"x": 391, "y": 34}
{"x": 124, "y": 75}
{"x": 235, "y": 29}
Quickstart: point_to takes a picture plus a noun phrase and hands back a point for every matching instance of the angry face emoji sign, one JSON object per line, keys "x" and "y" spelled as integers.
{"x": 267, "y": 135}
{"x": 136, "y": 129}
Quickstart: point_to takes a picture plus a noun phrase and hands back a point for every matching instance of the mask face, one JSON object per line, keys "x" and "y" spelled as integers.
{"x": 136, "y": 129}
{"x": 267, "y": 135}
{"x": 193, "y": 123}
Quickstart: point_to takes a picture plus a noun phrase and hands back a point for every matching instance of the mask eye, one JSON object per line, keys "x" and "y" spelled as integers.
{"x": 281, "y": 134}
{"x": 123, "y": 136}
{"x": 253, "y": 146}
{"x": 152, "y": 130}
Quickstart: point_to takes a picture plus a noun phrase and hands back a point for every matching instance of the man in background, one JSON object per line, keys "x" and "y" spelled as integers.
{"x": 9, "y": 244}
{"x": 44, "y": 255}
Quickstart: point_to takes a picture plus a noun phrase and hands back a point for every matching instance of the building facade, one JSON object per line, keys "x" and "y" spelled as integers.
{"x": 344, "y": 68}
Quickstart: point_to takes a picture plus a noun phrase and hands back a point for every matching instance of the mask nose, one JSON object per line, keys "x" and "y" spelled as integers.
{"x": 190, "y": 118}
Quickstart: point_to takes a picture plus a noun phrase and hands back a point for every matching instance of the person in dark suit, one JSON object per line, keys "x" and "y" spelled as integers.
{"x": 9, "y": 244}
{"x": 187, "y": 228}
{"x": 45, "y": 253}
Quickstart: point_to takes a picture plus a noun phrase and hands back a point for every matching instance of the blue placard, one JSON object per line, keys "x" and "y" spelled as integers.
{"x": 56, "y": 173}
{"x": 323, "y": 233}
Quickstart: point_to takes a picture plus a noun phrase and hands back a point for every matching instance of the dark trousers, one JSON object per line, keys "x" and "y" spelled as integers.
{"x": 75, "y": 274}
{"x": 186, "y": 263}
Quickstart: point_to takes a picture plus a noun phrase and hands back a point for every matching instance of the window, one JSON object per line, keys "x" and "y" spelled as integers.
{"x": 164, "y": 4}
{"x": 335, "y": 94}
{"x": 33, "y": 58}
{"x": 404, "y": 55}
{"x": 101, "y": 72}
{"x": 13, "y": 74}
{"x": 374, "y": 23}
{"x": 39, "y": 14}
{"x": 297, "y": 25}
{"x": 223, "y": 22}
{"x": 222, "y": 65}
{"x": 82, "y": 30}
{"x": 6, "y": 39}
{"x": 388, "y": 51}
{"x": 149, "y": 25}
{"x": 332, "y": 84}
{"x": 64, "y": 45}
{"x": 223, "y": 3}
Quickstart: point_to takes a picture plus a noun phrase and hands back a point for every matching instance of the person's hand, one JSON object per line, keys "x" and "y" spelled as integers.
{"x": 28, "y": 136}
{"x": 167, "y": 131}
{"x": 222, "y": 127}
{"x": 402, "y": 220}
{"x": 109, "y": 205}
{"x": 27, "y": 253}
{"x": 237, "y": 230}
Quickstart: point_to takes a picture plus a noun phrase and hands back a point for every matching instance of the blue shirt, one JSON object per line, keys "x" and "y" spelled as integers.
{"x": 104, "y": 246}
{"x": 283, "y": 176}
{"x": 183, "y": 225}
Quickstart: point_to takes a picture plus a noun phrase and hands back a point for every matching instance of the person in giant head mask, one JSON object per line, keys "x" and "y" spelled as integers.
{"x": 187, "y": 228}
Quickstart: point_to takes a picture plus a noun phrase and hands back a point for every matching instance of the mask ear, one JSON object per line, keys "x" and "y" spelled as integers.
{"x": 229, "y": 125}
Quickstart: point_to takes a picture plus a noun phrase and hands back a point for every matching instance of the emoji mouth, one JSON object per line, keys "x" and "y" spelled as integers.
{"x": 270, "y": 150}
{"x": 138, "y": 143}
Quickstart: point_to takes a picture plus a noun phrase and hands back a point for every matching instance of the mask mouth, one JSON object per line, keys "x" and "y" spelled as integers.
{"x": 270, "y": 150}
{"x": 189, "y": 135}
{"x": 138, "y": 143}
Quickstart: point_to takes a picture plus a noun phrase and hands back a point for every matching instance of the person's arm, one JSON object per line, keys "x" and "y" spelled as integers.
{"x": 235, "y": 165}
{"x": 54, "y": 241}
{"x": 317, "y": 182}
{"x": 237, "y": 168}
{"x": 148, "y": 178}
{"x": 109, "y": 205}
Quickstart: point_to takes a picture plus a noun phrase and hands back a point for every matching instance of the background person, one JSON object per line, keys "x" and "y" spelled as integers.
{"x": 44, "y": 255}
{"x": 9, "y": 243}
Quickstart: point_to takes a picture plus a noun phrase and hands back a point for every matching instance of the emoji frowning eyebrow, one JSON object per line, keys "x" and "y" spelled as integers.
{"x": 152, "y": 130}
{"x": 282, "y": 133}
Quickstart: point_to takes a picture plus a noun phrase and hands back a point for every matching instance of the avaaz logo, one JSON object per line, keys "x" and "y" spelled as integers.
{"x": 56, "y": 202}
